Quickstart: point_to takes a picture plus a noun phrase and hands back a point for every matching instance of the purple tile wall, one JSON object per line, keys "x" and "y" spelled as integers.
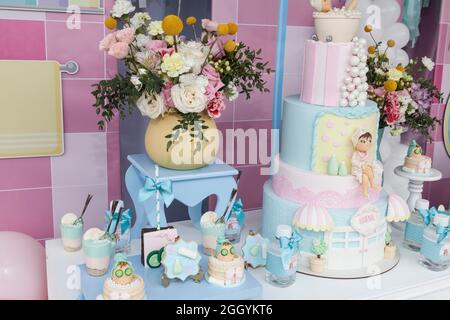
{"x": 36, "y": 192}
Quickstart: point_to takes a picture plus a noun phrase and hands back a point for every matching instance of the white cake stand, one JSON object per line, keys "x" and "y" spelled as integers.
{"x": 415, "y": 188}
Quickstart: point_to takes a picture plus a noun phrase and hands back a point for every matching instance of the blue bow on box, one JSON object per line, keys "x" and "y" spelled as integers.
{"x": 442, "y": 232}
{"x": 428, "y": 215}
{"x": 238, "y": 210}
{"x": 124, "y": 223}
{"x": 289, "y": 246}
{"x": 151, "y": 186}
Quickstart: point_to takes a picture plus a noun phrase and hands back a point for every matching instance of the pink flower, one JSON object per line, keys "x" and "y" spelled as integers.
{"x": 392, "y": 108}
{"x": 166, "y": 94}
{"x": 126, "y": 35}
{"x": 214, "y": 81}
{"x": 156, "y": 45}
{"x": 209, "y": 25}
{"x": 107, "y": 42}
{"x": 380, "y": 91}
{"x": 216, "y": 105}
{"x": 168, "y": 51}
{"x": 216, "y": 47}
{"x": 119, "y": 50}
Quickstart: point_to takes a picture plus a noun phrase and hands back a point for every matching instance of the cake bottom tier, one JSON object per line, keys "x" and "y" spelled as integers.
{"x": 347, "y": 248}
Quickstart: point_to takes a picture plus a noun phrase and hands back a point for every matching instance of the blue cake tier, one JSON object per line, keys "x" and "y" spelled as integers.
{"x": 311, "y": 134}
{"x": 347, "y": 248}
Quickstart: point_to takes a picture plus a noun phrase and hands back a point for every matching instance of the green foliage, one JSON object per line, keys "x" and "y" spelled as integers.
{"x": 112, "y": 95}
{"x": 246, "y": 70}
{"x": 319, "y": 247}
{"x": 191, "y": 122}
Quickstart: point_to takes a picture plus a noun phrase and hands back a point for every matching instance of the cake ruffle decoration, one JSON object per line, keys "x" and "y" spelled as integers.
{"x": 397, "y": 209}
{"x": 313, "y": 217}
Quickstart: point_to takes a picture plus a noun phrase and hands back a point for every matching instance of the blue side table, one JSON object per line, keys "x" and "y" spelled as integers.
{"x": 190, "y": 187}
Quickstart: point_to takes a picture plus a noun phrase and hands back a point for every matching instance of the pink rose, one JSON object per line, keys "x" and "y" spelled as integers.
{"x": 166, "y": 94}
{"x": 380, "y": 91}
{"x": 209, "y": 25}
{"x": 119, "y": 50}
{"x": 214, "y": 81}
{"x": 156, "y": 45}
{"x": 216, "y": 105}
{"x": 126, "y": 35}
{"x": 107, "y": 42}
{"x": 216, "y": 47}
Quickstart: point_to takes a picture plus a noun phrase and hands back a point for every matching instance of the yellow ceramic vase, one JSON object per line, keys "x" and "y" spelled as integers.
{"x": 184, "y": 152}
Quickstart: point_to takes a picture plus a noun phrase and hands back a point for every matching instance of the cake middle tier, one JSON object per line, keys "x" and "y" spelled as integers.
{"x": 311, "y": 134}
{"x": 301, "y": 186}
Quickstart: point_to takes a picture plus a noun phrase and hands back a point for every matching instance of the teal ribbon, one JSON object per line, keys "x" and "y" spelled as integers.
{"x": 124, "y": 223}
{"x": 238, "y": 210}
{"x": 289, "y": 247}
{"x": 428, "y": 215}
{"x": 442, "y": 232}
{"x": 151, "y": 186}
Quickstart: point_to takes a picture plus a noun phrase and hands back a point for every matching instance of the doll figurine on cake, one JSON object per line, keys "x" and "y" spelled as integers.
{"x": 124, "y": 283}
{"x": 226, "y": 268}
{"x": 365, "y": 168}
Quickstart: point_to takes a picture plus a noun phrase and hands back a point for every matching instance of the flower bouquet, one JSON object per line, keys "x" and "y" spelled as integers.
{"x": 180, "y": 84}
{"x": 403, "y": 98}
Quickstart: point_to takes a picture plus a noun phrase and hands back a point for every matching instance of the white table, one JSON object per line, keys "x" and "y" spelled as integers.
{"x": 406, "y": 281}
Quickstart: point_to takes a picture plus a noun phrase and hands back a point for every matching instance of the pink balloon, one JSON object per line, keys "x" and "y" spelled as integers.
{"x": 22, "y": 267}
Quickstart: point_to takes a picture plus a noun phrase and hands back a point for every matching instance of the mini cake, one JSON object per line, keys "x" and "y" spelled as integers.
{"x": 225, "y": 267}
{"x": 123, "y": 284}
{"x": 415, "y": 161}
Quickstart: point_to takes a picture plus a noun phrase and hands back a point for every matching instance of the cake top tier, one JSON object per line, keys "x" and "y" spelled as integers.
{"x": 335, "y": 24}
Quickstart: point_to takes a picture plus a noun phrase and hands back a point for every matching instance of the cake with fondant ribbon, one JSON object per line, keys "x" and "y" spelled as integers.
{"x": 328, "y": 180}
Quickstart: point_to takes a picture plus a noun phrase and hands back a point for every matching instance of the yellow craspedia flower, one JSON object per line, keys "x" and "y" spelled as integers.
{"x": 232, "y": 28}
{"x": 172, "y": 25}
{"x": 400, "y": 68}
{"x": 191, "y": 21}
{"x": 110, "y": 23}
{"x": 390, "y": 85}
{"x": 391, "y": 43}
{"x": 222, "y": 29}
{"x": 372, "y": 49}
{"x": 229, "y": 46}
{"x": 368, "y": 28}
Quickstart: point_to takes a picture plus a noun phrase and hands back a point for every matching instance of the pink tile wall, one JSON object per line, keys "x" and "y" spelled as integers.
{"x": 36, "y": 192}
{"x": 258, "y": 28}
{"x": 439, "y": 192}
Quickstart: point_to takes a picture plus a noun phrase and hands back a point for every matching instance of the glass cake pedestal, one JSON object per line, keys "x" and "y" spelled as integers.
{"x": 415, "y": 188}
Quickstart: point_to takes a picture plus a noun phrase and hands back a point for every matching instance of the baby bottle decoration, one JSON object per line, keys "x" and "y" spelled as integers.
{"x": 435, "y": 250}
{"x": 281, "y": 264}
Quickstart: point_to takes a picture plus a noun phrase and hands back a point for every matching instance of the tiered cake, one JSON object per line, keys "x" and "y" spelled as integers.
{"x": 321, "y": 130}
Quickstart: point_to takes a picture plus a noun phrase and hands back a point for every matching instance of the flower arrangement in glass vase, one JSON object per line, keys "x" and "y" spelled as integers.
{"x": 403, "y": 97}
{"x": 180, "y": 84}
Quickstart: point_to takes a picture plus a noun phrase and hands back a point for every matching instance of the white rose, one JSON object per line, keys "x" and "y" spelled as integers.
{"x": 142, "y": 40}
{"x": 428, "y": 63}
{"x": 231, "y": 92}
{"x": 195, "y": 54}
{"x": 155, "y": 28}
{"x": 151, "y": 106}
{"x": 189, "y": 94}
{"x": 137, "y": 83}
{"x": 122, "y": 7}
{"x": 139, "y": 19}
{"x": 174, "y": 65}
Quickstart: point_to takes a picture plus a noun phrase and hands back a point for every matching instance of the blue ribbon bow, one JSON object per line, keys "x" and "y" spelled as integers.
{"x": 151, "y": 186}
{"x": 124, "y": 223}
{"x": 238, "y": 209}
{"x": 291, "y": 243}
{"x": 428, "y": 215}
{"x": 442, "y": 232}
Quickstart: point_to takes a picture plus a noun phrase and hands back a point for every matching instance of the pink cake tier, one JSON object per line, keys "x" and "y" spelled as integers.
{"x": 306, "y": 187}
{"x": 334, "y": 74}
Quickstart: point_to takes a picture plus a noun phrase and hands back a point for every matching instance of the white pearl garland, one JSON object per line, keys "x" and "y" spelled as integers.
{"x": 354, "y": 88}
